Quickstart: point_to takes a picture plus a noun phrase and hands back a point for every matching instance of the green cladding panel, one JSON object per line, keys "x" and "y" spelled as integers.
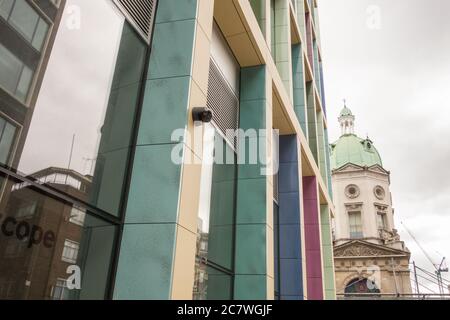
{"x": 147, "y": 247}
{"x": 251, "y": 243}
{"x": 298, "y": 82}
{"x": 259, "y": 9}
{"x": 327, "y": 253}
{"x": 322, "y": 147}
{"x": 312, "y": 120}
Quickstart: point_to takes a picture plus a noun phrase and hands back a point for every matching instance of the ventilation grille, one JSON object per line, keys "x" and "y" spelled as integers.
{"x": 224, "y": 104}
{"x": 140, "y": 13}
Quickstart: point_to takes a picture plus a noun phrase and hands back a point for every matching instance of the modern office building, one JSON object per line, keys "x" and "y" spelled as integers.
{"x": 369, "y": 257}
{"x": 27, "y": 29}
{"x": 117, "y": 184}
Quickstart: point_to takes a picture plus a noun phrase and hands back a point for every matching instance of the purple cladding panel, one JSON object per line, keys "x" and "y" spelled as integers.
{"x": 312, "y": 239}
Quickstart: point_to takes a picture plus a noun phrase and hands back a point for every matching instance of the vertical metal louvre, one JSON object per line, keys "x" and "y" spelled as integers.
{"x": 140, "y": 13}
{"x": 224, "y": 104}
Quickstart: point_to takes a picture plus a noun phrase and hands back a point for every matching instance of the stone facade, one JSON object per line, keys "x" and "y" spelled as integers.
{"x": 362, "y": 260}
{"x": 369, "y": 256}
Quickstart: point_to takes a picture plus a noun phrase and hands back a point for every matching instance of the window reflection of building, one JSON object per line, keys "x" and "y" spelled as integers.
{"x": 64, "y": 153}
{"x": 60, "y": 291}
{"x": 35, "y": 270}
{"x": 216, "y": 234}
{"x": 77, "y": 215}
{"x": 201, "y": 276}
{"x": 28, "y": 29}
{"x": 70, "y": 251}
{"x": 7, "y": 133}
{"x": 216, "y": 227}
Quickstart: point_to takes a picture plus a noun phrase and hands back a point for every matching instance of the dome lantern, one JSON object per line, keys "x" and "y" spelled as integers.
{"x": 347, "y": 121}
{"x": 349, "y": 148}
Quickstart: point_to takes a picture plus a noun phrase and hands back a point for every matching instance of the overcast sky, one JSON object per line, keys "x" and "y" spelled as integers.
{"x": 391, "y": 61}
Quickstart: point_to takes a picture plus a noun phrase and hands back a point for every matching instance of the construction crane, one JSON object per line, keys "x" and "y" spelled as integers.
{"x": 439, "y": 268}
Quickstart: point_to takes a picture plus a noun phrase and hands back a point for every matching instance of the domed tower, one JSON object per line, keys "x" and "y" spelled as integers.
{"x": 347, "y": 121}
{"x": 369, "y": 256}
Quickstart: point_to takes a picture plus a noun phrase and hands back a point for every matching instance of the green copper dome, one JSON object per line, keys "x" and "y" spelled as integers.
{"x": 351, "y": 149}
{"x": 346, "y": 112}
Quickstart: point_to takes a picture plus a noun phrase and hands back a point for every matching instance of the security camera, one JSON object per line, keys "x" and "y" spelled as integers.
{"x": 202, "y": 114}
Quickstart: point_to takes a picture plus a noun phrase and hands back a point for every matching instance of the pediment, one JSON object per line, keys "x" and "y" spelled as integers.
{"x": 360, "y": 248}
{"x": 349, "y": 167}
{"x": 378, "y": 169}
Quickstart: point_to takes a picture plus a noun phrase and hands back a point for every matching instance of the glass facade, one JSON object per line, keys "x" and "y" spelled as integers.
{"x": 215, "y": 256}
{"x": 69, "y": 97}
{"x": 39, "y": 242}
{"x": 7, "y": 133}
{"x": 216, "y": 227}
{"x": 15, "y": 76}
{"x": 103, "y": 82}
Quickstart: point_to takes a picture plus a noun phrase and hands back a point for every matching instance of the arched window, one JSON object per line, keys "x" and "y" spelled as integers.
{"x": 361, "y": 286}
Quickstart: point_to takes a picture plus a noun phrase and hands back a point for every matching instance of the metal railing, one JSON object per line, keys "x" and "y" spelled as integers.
{"x": 392, "y": 296}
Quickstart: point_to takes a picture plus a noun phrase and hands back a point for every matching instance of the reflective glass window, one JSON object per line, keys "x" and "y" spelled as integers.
{"x": 5, "y": 8}
{"x": 24, "y": 18}
{"x": 15, "y": 77}
{"x": 39, "y": 246}
{"x": 212, "y": 283}
{"x": 83, "y": 119}
{"x": 70, "y": 251}
{"x": 216, "y": 226}
{"x": 24, "y": 83}
{"x": 60, "y": 290}
{"x": 217, "y": 207}
{"x": 77, "y": 215}
{"x": 40, "y": 34}
{"x": 7, "y": 133}
{"x": 67, "y": 131}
